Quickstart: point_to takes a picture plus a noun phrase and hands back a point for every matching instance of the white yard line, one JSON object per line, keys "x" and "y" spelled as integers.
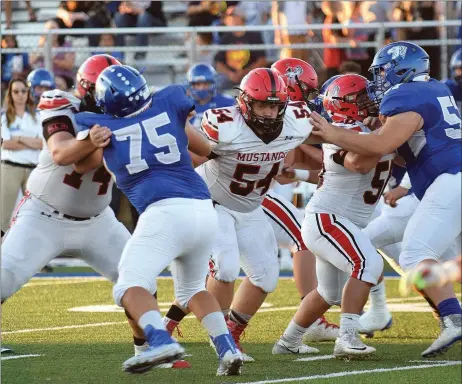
{"x": 63, "y": 327}
{"x": 352, "y": 373}
{"x": 17, "y": 357}
{"x": 314, "y": 358}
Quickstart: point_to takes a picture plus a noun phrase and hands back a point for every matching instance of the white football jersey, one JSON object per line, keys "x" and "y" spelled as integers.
{"x": 346, "y": 193}
{"x": 62, "y": 187}
{"x": 244, "y": 167}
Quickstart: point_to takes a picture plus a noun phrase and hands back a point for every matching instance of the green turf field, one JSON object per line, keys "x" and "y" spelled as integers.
{"x": 53, "y": 318}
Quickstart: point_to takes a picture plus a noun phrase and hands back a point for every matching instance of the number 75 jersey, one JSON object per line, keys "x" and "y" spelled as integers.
{"x": 242, "y": 166}
{"x": 346, "y": 193}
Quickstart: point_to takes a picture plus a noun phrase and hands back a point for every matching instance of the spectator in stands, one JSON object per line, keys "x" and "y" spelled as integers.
{"x": 235, "y": 64}
{"x": 291, "y": 13}
{"x": 13, "y": 65}
{"x": 350, "y": 67}
{"x": 84, "y": 14}
{"x": 205, "y": 13}
{"x": 420, "y": 11}
{"x": 359, "y": 55}
{"x": 63, "y": 62}
{"x": 22, "y": 141}
{"x": 333, "y": 57}
{"x": 108, "y": 40}
{"x": 8, "y": 4}
{"x": 139, "y": 14}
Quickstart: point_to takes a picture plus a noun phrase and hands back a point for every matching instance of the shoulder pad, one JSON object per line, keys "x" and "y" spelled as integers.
{"x": 56, "y": 100}
{"x": 221, "y": 124}
{"x": 296, "y": 118}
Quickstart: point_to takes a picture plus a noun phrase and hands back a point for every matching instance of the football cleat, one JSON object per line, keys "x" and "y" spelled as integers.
{"x": 236, "y": 330}
{"x": 162, "y": 349}
{"x": 321, "y": 330}
{"x": 372, "y": 321}
{"x": 451, "y": 332}
{"x": 6, "y": 350}
{"x": 283, "y": 347}
{"x": 180, "y": 364}
{"x": 350, "y": 345}
{"x": 230, "y": 357}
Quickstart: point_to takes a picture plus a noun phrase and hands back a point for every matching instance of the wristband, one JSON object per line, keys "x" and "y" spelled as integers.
{"x": 302, "y": 174}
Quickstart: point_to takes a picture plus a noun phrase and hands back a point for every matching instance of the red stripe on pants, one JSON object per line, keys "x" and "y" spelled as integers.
{"x": 343, "y": 241}
{"x": 285, "y": 218}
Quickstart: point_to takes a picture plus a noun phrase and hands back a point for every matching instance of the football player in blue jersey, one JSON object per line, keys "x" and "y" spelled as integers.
{"x": 455, "y": 82}
{"x": 202, "y": 88}
{"x": 39, "y": 81}
{"x": 421, "y": 121}
{"x": 146, "y": 149}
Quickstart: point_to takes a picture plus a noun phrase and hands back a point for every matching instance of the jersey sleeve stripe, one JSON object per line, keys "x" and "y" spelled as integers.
{"x": 211, "y": 132}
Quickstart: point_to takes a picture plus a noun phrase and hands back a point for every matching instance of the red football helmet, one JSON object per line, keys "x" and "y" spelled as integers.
{"x": 90, "y": 70}
{"x": 346, "y": 99}
{"x": 266, "y": 86}
{"x": 300, "y": 77}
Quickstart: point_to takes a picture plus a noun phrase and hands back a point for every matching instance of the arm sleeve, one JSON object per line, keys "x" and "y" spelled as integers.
{"x": 209, "y": 127}
{"x": 55, "y": 124}
{"x": 184, "y": 104}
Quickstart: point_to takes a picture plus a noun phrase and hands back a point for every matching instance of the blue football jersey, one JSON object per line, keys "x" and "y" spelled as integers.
{"x": 148, "y": 154}
{"x": 436, "y": 148}
{"x": 456, "y": 91}
{"x": 218, "y": 101}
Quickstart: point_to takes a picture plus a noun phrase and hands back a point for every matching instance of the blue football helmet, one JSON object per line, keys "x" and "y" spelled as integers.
{"x": 40, "y": 77}
{"x": 202, "y": 73}
{"x": 456, "y": 62}
{"x": 121, "y": 90}
{"x": 397, "y": 63}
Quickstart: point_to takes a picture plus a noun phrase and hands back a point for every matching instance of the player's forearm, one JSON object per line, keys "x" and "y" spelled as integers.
{"x": 367, "y": 145}
{"x": 198, "y": 143}
{"x": 71, "y": 151}
{"x": 89, "y": 163}
{"x": 360, "y": 164}
{"x": 308, "y": 157}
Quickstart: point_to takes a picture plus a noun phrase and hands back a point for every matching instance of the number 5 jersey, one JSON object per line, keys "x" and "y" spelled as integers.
{"x": 60, "y": 186}
{"x": 346, "y": 193}
{"x": 242, "y": 166}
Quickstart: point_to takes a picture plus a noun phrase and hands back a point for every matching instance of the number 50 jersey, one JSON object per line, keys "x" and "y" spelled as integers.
{"x": 345, "y": 193}
{"x": 148, "y": 153}
{"x": 242, "y": 166}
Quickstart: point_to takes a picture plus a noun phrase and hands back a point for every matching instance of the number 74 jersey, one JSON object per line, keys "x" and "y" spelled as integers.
{"x": 242, "y": 166}
{"x": 346, "y": 193}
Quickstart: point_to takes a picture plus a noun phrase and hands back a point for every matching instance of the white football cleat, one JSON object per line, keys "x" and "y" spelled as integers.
{"x": 153, "y": 356}
{"x": 139, "y": 349}
{"x": 230, "y": 364}
{"x": 321, "y": 330}
{"x": 283, "y": 347}
{"x": 350, "y": 345}
{"x": 372, "y": 321}
{"x": 451, "y": 332}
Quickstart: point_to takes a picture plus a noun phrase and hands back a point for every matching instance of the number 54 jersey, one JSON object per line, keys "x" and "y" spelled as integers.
{"x": 349, "y": 194}
{"x": 242, "y": 166}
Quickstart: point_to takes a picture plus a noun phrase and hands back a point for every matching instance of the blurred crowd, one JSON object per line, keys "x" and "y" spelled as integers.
{"x": 232, "y": 64}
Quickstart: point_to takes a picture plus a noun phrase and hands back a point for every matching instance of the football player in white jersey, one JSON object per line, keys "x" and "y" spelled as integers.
{"x": 349, "y": 188}
{"x": 249, "y": 143}
{"x": 66, "y": 209}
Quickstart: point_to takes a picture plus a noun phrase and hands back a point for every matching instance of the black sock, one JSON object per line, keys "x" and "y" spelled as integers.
{"x": 138, "y": 342}
{"x": 239, "y": 318}
{"x": 175, "y": 313}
